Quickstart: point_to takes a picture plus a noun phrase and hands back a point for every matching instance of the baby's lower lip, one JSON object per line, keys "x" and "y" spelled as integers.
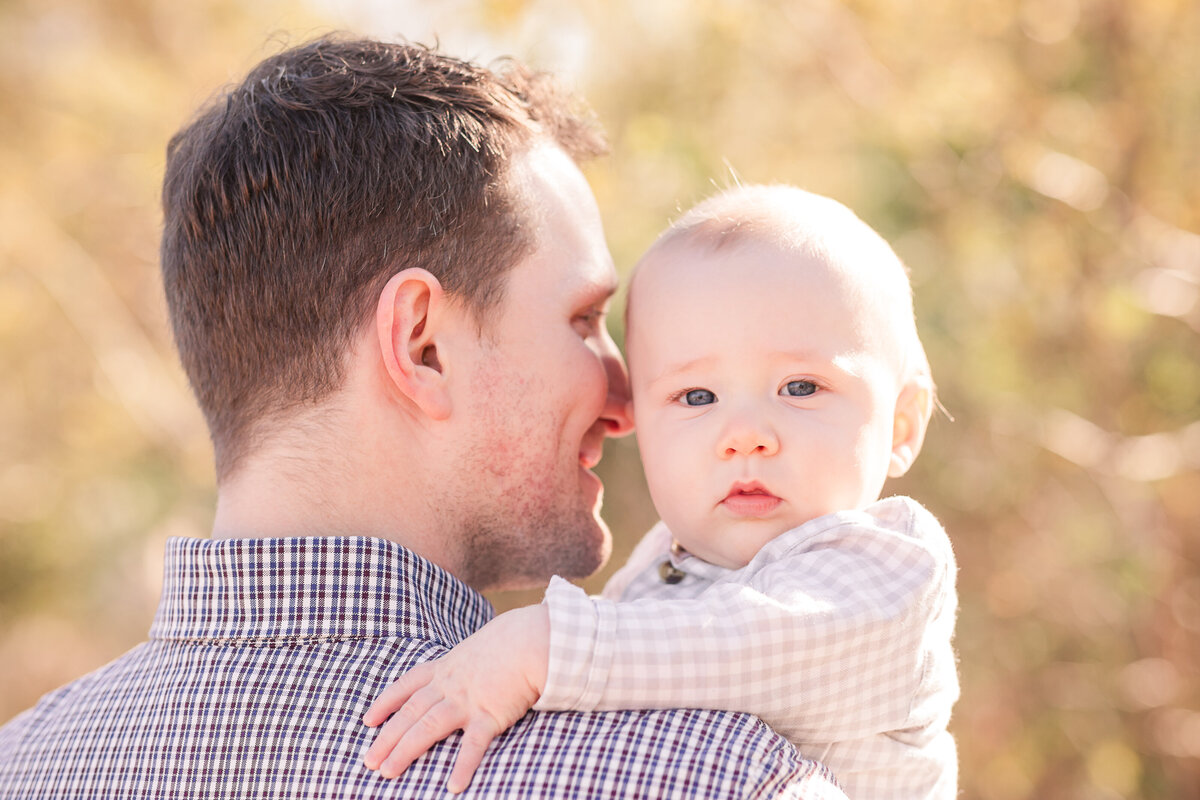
{"x": 750, "y": 505}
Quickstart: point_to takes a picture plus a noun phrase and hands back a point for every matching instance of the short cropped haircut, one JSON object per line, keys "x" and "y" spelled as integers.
{"x": 293, "y": 197}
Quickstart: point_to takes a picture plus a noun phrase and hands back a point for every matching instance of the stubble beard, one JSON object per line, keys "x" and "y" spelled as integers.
{"x": 537, "y": 519}
{"x": 520, "y": 554}
{"x": 530, "y": 513}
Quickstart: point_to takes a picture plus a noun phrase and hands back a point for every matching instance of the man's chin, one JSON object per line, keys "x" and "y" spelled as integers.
{"x": 511, "y": 560}
{"x": 586, "y": 564}
{"x": 591, "y": 551}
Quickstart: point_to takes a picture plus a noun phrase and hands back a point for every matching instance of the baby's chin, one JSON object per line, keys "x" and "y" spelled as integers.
{"x": 735, "y": 546}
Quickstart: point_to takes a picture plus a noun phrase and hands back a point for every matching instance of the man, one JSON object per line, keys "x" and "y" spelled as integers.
{"x": 387, "y": 280}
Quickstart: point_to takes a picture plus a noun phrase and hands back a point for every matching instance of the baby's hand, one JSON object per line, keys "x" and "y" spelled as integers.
{"x": 482, "y": 687}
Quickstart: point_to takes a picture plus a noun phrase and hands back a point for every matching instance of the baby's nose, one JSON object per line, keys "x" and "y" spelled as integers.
{"x": 748, "y": 435}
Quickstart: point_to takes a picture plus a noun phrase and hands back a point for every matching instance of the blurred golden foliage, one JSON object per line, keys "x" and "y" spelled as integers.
{"x": 1034, "y": 161}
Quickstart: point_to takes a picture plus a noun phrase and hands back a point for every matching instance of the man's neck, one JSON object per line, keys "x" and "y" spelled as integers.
{"x": 361, "y": 463}
{"x": 334, "y": 480}
{"x": 278, "y": 497}
{"x": 260, "y": 502}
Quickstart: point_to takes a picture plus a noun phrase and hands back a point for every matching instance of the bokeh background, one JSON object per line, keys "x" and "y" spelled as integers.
{"x": 1036, "y": 163}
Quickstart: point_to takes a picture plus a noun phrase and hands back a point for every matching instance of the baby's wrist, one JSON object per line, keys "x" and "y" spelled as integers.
{"x": 538, "y": 646}
{"x": 525, "y": 632}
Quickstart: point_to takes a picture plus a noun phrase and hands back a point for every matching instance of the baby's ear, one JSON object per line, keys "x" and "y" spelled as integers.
{"x": 914, "y": 407}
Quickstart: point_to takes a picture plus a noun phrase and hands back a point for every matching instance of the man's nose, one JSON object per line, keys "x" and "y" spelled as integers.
{"x": 618, "y": 421}
{"x": 747, "y": 433}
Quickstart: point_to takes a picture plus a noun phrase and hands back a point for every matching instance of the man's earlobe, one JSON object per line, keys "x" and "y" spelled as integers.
{"x": 914, "y": 407}
{"x": 408, "y": 319}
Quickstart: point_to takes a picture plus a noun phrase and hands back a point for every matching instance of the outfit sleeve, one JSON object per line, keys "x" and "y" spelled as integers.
{"x": 828, "y": 639}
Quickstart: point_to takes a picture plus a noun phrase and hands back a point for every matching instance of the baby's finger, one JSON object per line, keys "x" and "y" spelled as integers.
{"x": 436, "y": 724}
{"x": 395, "y": 695}
{"x": 395, "y": 728}
{"x": 475, "y": 740}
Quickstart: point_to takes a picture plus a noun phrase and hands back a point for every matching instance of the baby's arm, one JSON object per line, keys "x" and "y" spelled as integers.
{"x": 828, "y": 642}
{"x": 482, "y": 686}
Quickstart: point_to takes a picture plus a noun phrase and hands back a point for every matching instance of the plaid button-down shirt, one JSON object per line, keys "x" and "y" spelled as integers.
{"x": 265, "y": 653}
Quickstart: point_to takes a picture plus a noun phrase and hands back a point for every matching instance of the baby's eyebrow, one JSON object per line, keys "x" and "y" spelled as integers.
{"x": 849, "y": 361}
{"x": 674, "y": 370}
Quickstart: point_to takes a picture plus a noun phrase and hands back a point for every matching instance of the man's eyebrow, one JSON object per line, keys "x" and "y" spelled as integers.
{"x": 597, "y": 292}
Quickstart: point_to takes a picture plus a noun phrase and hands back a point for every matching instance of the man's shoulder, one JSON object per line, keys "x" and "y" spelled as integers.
{"x": 28, "y": 726}
{"x": 686, "y": 753}
{"x": 275, "y": 711}
{"x": 252, "y": 722}
{"x": 34, "y": 743}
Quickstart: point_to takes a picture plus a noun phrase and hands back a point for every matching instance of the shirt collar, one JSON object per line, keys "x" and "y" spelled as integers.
{"x": 310, "y": 587}
{"x": 893, "y": 513}
{"x": 685, "y": 562}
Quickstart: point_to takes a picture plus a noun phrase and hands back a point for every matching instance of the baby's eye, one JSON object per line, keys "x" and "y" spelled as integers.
{"x": 798, "y": 389}
{"x": 697, "y": 397}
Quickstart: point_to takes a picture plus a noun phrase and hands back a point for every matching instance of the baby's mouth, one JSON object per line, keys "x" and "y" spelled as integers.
{"x": 750, "y": 500}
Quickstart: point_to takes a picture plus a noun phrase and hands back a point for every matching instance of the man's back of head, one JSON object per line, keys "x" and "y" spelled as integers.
{"x": 293, "y": 197}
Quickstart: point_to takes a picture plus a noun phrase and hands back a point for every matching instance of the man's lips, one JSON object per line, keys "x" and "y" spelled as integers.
{"x": 750, "y": 500}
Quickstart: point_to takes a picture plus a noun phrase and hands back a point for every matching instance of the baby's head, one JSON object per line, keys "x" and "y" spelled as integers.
{"x": 776, "y": 369}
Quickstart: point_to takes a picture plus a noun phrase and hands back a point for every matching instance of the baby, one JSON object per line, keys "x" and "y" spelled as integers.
{"x": 778, "y": 381}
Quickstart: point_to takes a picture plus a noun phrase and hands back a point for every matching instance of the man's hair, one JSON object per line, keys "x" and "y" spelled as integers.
{"x": 293, "y": 197}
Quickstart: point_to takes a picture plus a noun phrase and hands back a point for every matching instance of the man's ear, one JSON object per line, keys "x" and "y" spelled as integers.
{"x": 409, "y": 318}
{"x": 914, "y": 407}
